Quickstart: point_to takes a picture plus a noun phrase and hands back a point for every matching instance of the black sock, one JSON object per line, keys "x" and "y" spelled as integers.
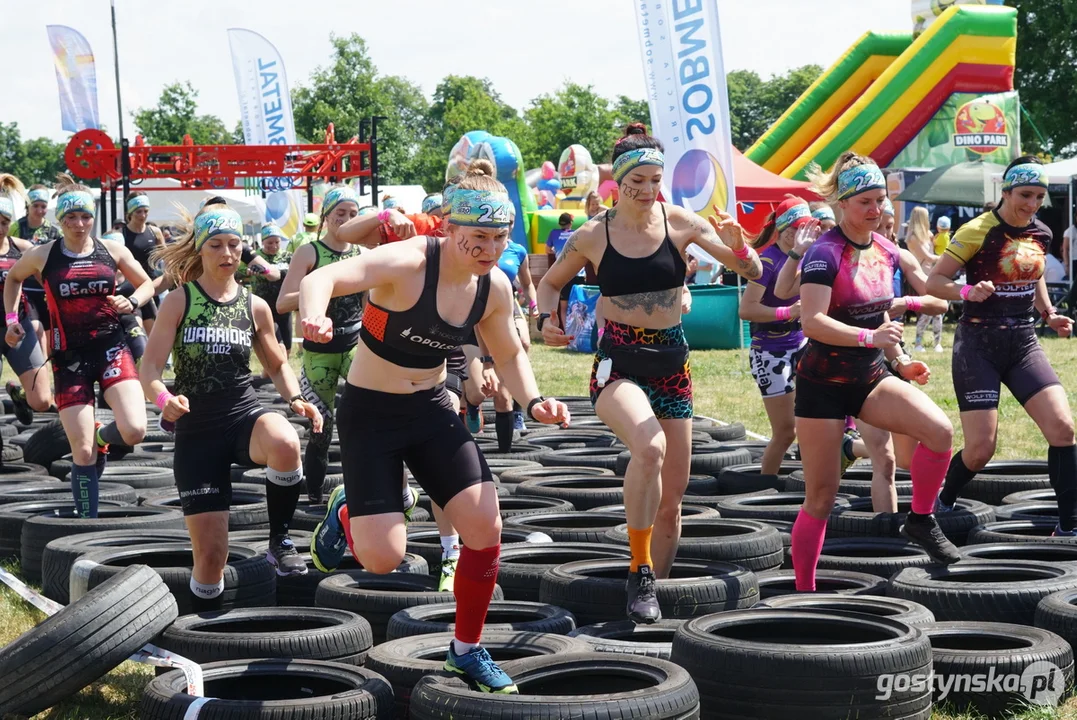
{"x": 84, "y": 489}
{"x": 957, "y": 477}
{"x": 282, "y": 495}
{"x": 201, "y": 604}
{"x": 1062, "y": 469}
{"x": 316, "y": 458}
{"x": 503, "y": 425}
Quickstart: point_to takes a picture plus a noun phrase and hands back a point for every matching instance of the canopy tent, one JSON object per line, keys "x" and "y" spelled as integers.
{"x": 759, "y": 191}
{"x": 167, "y": 197}
{"x": 1061, "y": 171}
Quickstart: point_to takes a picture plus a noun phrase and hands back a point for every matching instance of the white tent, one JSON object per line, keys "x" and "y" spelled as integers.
{"x": 166, "y": 194}
{"x": 1063, "y": 170}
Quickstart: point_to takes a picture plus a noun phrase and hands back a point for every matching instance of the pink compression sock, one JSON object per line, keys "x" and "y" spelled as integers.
{"x": 808, "y": 535}
{"x": 850, "y": 423}
{"x": 928, "y": 470}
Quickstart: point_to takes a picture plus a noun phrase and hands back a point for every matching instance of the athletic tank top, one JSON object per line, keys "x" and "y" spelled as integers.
{"x": 7, "y": 260}
{"x": 77, "y": 290}
{"x": 418, "y": 337}
{"x": 664, "y": 269}
{"x": 345, "y": 311}
{"x": 141, "y": 245}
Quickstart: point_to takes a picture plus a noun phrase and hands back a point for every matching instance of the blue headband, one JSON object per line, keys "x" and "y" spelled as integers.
{"x": 888, "y": 207}
{"x": 860, "y": 179}
{"x": 39, "y": 195}
{"x": 1025, "y": 175}
{"x": 790, "y": 216}
{"x": 824, "y": 213}
{"x": 7, "y": 208}
{"x": 75, "y": 201}
{"x": 633, "y": 159}
{"x": 389, "y": 204}
{"x": 481, "y": 208}
{"x": 336, "y": 196}
{"x": 271, "y": 231}
{"x": 114, "y": 236}
{"x": 223, "y": 221}
{"x": 136, "y": 202}
{"x": 432, "y": 202}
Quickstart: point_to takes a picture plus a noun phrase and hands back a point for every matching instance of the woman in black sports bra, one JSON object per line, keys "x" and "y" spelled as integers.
{"x": 641, "y": 384}
{"x": 426, "y": 295}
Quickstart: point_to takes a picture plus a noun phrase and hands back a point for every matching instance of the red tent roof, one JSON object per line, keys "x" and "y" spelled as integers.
{"x": 757, "y": 185}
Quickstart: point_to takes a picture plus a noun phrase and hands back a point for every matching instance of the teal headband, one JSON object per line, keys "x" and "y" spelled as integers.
{"x": 1025, "y": 175}
{"x": 446, "y": 199}
{"x": 39, "y": 195}
{"x": 432, "y": 202}
{"x": 224, "y": 221}
{"x": 336, "y": 196}
{"x": 860, "y": 179}
{"x": 114, "y": 236}
{"x": 269, "y": 231}
{"x": 389, "y": 204}
{"x": 7, "y": 208}
{"x": 481, "y": 208}
{"x": 790, "y": 216}
{"x": 136, "y": 202}
{"x": 633, "y": 159}
{"x": 888, "y": 207}
{"x": 75, "y": 201}
{"x": 824, "y": 213}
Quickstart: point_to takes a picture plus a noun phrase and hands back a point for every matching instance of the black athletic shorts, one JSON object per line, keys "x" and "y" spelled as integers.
{"x": 832, "y": 401}
{"x": 39, "y": 308}
{"x": 380, "y": 432}
{"x": 986, "y": 356}
{"x": 208, "y": 442}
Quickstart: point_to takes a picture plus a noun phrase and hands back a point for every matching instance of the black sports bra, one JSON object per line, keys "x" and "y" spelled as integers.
{"x": 418, "y": 337}
{"x": 664, "y": 269}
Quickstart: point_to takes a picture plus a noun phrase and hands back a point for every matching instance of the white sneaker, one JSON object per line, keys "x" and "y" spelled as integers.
{"x": 938, "y": 348}
{"x": 918, "y": 348}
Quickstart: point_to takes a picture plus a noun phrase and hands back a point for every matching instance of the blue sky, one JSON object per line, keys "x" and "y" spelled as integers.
{"x": 526, "y": 49}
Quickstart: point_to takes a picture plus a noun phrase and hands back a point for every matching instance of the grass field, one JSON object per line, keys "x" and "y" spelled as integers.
{"x": 724, "y": 389}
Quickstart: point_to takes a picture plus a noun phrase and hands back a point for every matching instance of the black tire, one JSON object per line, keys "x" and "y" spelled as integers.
{"x": 856, "y": 519}
{"x": 712, "y": 501}
{"x": 713, "y": 463}
{"x": 305, "y": 633}
{"x": 555, "y": 439}
{"x": 13, "y": 515}
{"x": 62, "y": 468}
{"x": 751, "y": 544}
{"x": 779, "y": 506}
{"x": 28, "y": 492}
{"x": 272, "y": 690}
{"x": 567, "y": 685}
{"x": 961, "y": 649}
{"x": 522, "y": 566}
{"x": 1027, "y": 511}
{"x": 588, "y": 457}
{"x": 875, "y": 556}
{"x": 61, "y": 554}
{"x": 518, "y": 451}
{"x": 514, "y": 505}
{"x": 499, "y": 465}
{"x": 249, "y": 510}
{"x": 24, "y": 470}
{"x": 905, "y": 611}
{"x": 249, "y": 580}
{"x": 424, "y": 540}
{"x": 722, "y": 433}
{"x": 569, "y": 527}
{"x": 39, "y": 530}
{"x": 516, "y": 475}
{"x": 11, "y": 453}
{"x": 983, "y": 591}
{"x": 48, "y": 444}
{"x": 755, "y": 448}
{"x": 774, "y": 583}
{"x": 1058, "y": 613}
{"x": 856, "y": 481}
{"x": 1038, "y": 530}
{"x": 594, "y": 590}
{"x": 1058, "y": 553}
{"x": 812, "y": 665}
{"x": 378, "y": 597}
{"x": 1023, "y": 496}
{"x": 750, "y": 477}
{"x": 82, "y": 642}
{"x": 300, "y": 590}
{"x": 140, "y": 478}
{"x": 1002, "y": 477}
{"x": 582, "y": 492}
{"x": 697, "y": 512}
{"x": 259, "y": 539}
{"x": 405, "y": 661}
{"x": 503, "y": 616}
{"x": 628, "y": 638}
{"x": 307, "y": 516}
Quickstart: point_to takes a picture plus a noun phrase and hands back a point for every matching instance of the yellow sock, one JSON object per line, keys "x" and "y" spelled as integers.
{"x": 639, "y": 541}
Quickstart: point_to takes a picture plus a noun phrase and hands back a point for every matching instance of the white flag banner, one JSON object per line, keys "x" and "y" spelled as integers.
{"x": 681, "y": 48}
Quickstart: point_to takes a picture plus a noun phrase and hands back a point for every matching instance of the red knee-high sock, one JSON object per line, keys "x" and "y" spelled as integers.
{"x": 928, "y": 470}
{"x": 346, "y": 522}
{"x": 808, "y": 536}
{"x": 476, "y": 573}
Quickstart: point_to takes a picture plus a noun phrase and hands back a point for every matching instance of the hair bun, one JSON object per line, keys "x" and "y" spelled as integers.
{"x": 480, "y": 166}
{"x": 636, "y": 129}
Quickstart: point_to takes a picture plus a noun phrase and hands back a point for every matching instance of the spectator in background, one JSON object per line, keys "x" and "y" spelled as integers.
{"x": 1054, "y": 271}
{"x": 824, "y": 214}
{"x": 593, "y": 204}
{"x": 309, "y": 234}
{"x": 555, "y": 243}
{"x": 1069, "y": 249}
{"x": 942, "y": 237}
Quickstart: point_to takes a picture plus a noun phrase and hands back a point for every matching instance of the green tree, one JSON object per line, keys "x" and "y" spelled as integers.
{"x": 632, "y": 111}
{"x": 36, "y": 160}
{"x": 1046, "y": 73}
{"x": 176, "y": 115}
{"x": 573, "y": 115}
{"x": 755, "y": 104}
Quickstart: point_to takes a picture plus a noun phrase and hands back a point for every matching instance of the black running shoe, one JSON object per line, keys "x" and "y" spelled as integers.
{"x": 924, "y": 530}
{"x": 23, "y": 412}
{"x": 314, "y": 493}
{"x": 642, "y": 601}
{"x": 283, "y": 556}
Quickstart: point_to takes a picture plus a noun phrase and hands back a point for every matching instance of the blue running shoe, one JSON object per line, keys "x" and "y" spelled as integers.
{"x": 518, "y": 420}
{"x": 330, "y": 542}
{"x": 479, "y": 671}
{"x": 1059, "y": 532}
{"x": 473, "y": 418}
{"x": 941, "y": 508}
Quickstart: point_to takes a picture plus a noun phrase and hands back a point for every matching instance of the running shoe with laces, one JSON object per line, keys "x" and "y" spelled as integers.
{"x": 330, "y": 542}
{"x": 941, "y": 507}
{"x": 473, "y": 419}
{"x": 414, "y": 504}
{"x": 447, "y": 580}
{"x": 924, "y": 530}
{"x": 23, "y": 412}
{"x": 642, "y": 604}
{"x": 479, "y": 671}
{"x": 1059, "y": 532}
{"x": 284, "y": 557}
{"x": 847, "y": 440}
{"x": 518, "y": 420}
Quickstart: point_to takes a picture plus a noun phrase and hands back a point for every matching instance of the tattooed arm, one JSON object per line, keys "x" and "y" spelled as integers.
{"x": 720, "y": 236}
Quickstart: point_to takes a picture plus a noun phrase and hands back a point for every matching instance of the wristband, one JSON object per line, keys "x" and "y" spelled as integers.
{"x": 1046, "y": 314}
{"x": 486, "y": 359}
{"x": 162, "y": 399}
{"x": 899, "y": 360}
{"x": 532, "y": 305}
{"x": 866, "y": 339}
{"x": 11, "y": 319}
{"x": 383, "y": 216}
{"x": 781, "y": 313}
{"x": 531, "y": 406}
{"x": 794, "y": 254}
{"x": 965, "y": 292}
{"x": 293, "y": 398}
{"x": 743, "y": 253}
{"x": 914, "y": 302}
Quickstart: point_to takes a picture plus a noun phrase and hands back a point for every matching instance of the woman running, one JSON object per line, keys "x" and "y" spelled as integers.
{"x": 88, "y": 343}
{"x": 36, "y": 228}
{"x": 325, "y": 362}
{"x": 777, "y": 340}
{"x": 142, "y": 239}
{"x": 33, "y": 391}
{"x": 1003, "y": 253}
{"x": 210, "y": 325}
{"x": 845, "y": 293}
{"x": 638, "y": 249}
{"x": 269, "y": 289}
{"x": 426, "y": 295}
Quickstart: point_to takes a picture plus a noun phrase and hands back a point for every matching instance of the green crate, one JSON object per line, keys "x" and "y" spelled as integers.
{"x": 714, "y": 323}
